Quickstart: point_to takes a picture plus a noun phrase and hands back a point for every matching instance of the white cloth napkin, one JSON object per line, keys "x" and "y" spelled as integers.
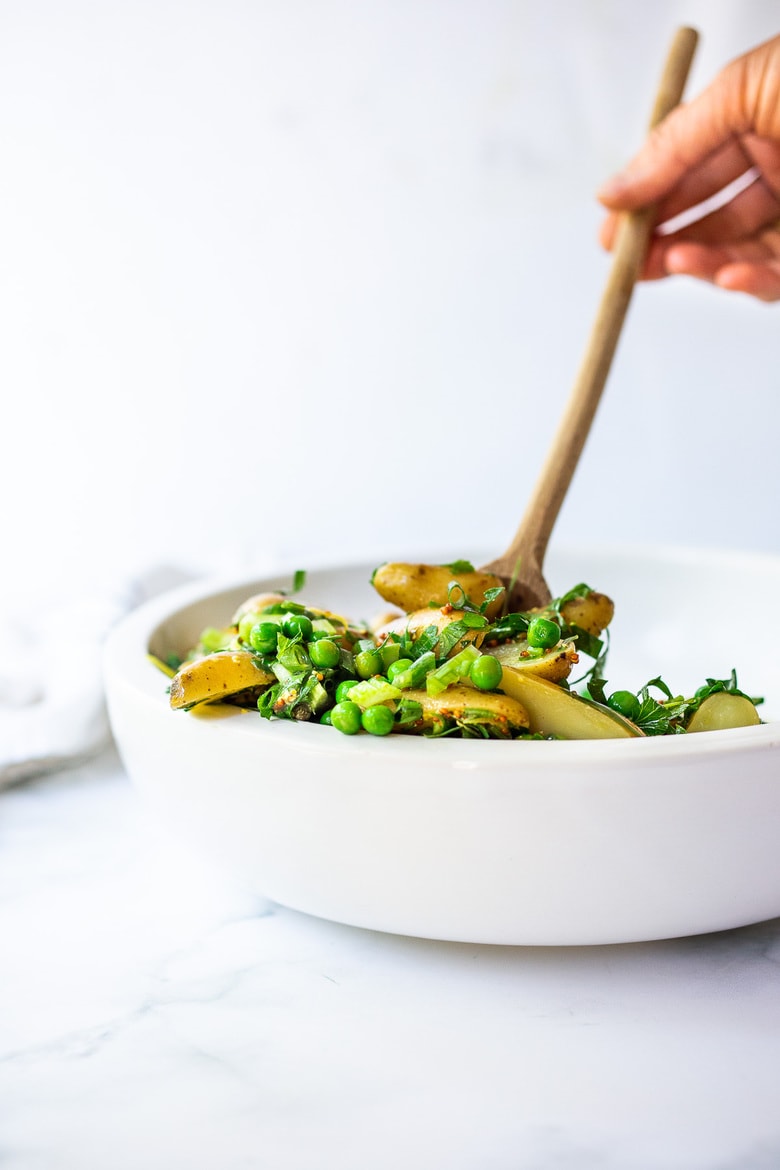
{"x": 52, "y": 708}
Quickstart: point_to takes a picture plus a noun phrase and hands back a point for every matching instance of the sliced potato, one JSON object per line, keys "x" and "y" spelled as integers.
{"x": 381, "y": 620}
{"x": 474, "y": 707}
{"x": 591, "y": 613}
{"x": 337, "y": 619}
{"x": 412, "y": 587}
{"x": 260, "y": 601}
{"x": 256, "y": 603}
{"x": 416, "y": 623}
{"x": 555, "y": 711}
{"x": 217, "y": 676}
{"x": 723, "y": 710}
{"x": 344, "y": 632}
{"x": 554, "y": 664}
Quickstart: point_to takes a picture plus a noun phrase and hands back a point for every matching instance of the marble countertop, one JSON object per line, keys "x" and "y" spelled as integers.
{"x": 152, "y": 1016}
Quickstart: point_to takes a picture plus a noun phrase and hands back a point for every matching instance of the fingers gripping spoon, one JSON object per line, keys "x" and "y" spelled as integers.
{"x": 520, "y": 567}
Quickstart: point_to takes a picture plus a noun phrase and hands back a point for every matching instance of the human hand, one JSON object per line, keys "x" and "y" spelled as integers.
{"x": 700, "y": 148}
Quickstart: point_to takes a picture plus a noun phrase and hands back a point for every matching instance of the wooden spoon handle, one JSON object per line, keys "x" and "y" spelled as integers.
{"x": 631, "y": 246}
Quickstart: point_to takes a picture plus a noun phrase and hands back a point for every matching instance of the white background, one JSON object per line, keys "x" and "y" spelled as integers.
{"x": 292, "y": 282}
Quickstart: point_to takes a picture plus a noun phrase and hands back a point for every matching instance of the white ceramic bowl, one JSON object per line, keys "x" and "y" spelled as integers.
{"x": 492, "y": 842}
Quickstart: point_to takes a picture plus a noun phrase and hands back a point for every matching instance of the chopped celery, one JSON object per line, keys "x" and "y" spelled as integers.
{"x": 374, "y": 690}
{"x": 414, "y": 676}
{"x": 323, "y": 626}
{"x": 390, "y": 652}
{"x": 452, "y": 671}
{"x": 213, "y": 640}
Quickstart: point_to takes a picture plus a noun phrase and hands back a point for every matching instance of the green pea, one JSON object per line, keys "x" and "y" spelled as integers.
{"x": 245, "y": 625}
{"x": 378, "y": 720}
{"x": 343, "y": 689}
{"x": 345, "y": 717}
{"x": 324, "y": 653}
{"x": 543, "y": 633}
{"x": 325, "y": 717}
{"x": 368, "y": 663}
{"x": 625, "y": 703}
{"x": 262, "y": 637}
{"x": 398, "y": 667}
{"x": 296, "y": 624}
{"x": 486, "y": 672}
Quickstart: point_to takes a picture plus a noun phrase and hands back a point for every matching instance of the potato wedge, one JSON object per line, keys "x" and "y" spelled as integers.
{"x": 723, "y": 710}
{"x": 554, "y": 664}
{"x": 416, "y": 623}
{"x": 380, "y": 621}
{"x": 217, "y": 676}
{"x": 412, "y": 587}
{"x": 256, "y": 603}
{"x": 591, "y": 613}
{"x": 502, "y": 712}
{"x": 252, "y": 610}
{"x": 260, "y": 601}
{"x": 558, "y": 712}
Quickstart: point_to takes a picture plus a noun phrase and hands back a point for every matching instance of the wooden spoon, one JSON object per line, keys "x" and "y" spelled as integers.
{"x": 520, "y": 567}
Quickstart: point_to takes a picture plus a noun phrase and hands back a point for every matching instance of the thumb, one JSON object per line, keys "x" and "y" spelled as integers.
{"x": 684, "y": 139}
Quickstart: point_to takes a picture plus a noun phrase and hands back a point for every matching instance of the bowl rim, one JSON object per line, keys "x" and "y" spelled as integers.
{"x": 125, "y": 659}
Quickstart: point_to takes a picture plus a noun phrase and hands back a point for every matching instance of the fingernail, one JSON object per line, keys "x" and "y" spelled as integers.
{"x": 613, "y": 188}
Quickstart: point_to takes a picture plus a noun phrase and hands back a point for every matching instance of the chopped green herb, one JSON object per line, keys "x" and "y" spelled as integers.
{"x": 291, "y": 653}
{"x": 460, "y": 567}
{"x": 423, "y": 644}
{"x": 595, "y": 689}
{"x": 458, "y": 598}
{"x": 492, "y": 595}
{"x": 586, "y": 643}
{"x": 454, "y": 633}
{"x": 409, "y": 712}
{"x": 581, "y": 590}
{"x": 510, "y": 625}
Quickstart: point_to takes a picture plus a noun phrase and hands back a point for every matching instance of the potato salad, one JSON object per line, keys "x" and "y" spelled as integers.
{"x": 445, "y": 660}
